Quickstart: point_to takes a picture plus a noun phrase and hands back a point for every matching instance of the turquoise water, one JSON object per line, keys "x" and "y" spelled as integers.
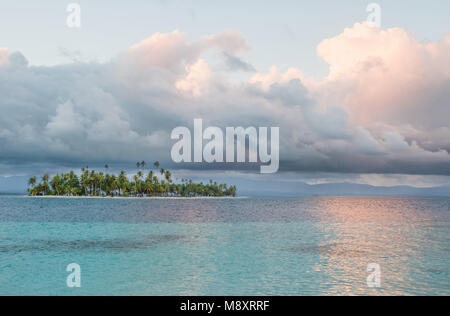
{"x": 305, "y": 246}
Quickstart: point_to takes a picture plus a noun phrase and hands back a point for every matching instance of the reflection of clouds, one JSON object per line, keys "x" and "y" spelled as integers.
{"x": 371, "y": 210}
{"x": 369, "y": 232}
{"x": 332, "y": 250}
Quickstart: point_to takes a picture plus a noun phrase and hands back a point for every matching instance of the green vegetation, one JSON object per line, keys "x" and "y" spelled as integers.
{"x": 101, "y": 184}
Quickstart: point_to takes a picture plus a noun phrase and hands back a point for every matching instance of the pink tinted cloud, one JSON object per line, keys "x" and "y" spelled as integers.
{"x": 4, "y": 56}
{"x": 389, "y": 76}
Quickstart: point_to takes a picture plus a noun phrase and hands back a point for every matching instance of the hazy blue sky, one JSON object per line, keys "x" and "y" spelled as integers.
{"x": 282, "y": 32}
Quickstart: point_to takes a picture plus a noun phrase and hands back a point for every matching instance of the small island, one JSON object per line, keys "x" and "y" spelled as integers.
{"x": 156, "y": 183}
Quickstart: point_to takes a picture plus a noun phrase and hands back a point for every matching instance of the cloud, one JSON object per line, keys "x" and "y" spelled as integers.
{"x": 164, "y": 51}
{"x": 4, "y": 56}
{"x": 383, "y": 108}
{"x": 276, "y": 77}
{"x": 15, "y": 59}
{"x": 197, "y": 79}
{"x": 392, "y": 95}
{"x": 230, "y": 43}
{"x": 234, "y": 63}
{"x": 173, "y": 51}
{"x": 388, "y": 76}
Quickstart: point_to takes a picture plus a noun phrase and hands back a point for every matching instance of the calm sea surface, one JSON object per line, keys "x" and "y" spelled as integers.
{"x": 305, "y": 246}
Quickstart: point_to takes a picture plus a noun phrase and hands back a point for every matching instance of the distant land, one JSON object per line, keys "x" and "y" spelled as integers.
{"x": 298, "y": 189}
{"x": 18, "y": 185}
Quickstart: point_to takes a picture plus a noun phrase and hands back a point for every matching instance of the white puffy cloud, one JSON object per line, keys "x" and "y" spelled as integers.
{"x": 388, "y": 76}
{"x": 197, "y": 79}
{"x": 173, "y": 51}
{"x": 164, "y": 51}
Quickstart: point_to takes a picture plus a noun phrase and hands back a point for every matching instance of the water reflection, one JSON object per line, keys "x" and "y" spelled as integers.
{"x": 331, "y": 250}
{"x": 368, "y": 232}
{"x": 307, "y": 246}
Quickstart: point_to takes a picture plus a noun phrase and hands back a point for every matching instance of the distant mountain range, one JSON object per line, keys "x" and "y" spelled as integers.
{"x": 18, "y": 185}
{"x": 291, "y": 189}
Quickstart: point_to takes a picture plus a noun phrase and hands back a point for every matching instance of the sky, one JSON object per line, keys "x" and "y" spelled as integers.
{"x": 353, "y": 102}
{"x": 286, "y": 31}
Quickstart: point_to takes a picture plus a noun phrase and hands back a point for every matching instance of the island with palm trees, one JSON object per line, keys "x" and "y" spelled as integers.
{"x": 156, "y": 183}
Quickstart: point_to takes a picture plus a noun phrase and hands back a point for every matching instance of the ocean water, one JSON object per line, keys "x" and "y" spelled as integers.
{"x": 242, "y": 246}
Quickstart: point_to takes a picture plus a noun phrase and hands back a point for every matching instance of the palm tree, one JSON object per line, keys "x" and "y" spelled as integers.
{"x": 135, "y": 185}
{"x": 139, "y": 176}
{"x": 85, "y": 179}
{"x": 73, "y": 184}
{"x": 168, "y": 176}
{"x": 32, "y": 183}
{"x": 150, "y": 177}
{"x": 101, "y": 183}
{"x": 149, "y": 183}
{"x": 116, "y": 186}
{"x": 45, "y": 179}
{"x": 122, "y": 181}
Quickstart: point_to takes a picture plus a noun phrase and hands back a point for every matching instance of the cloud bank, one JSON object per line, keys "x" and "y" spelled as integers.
{"x": 383, "y": 108}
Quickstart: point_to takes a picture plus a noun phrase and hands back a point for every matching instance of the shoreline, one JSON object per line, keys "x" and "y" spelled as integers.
{"x": 136, "y": 198}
